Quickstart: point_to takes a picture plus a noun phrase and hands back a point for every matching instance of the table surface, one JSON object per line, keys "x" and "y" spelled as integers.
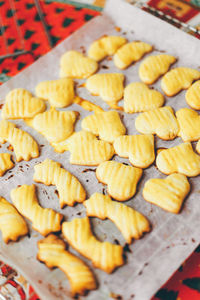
{"x": 32, "y": 31}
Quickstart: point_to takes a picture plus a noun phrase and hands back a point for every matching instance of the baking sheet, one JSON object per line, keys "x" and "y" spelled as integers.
{"x": 151, "y": 260}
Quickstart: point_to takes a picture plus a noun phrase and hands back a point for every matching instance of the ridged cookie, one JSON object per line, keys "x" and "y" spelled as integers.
{"x": 167, "y": 193}
{"x": 103, "y": 255}
{"x": 189, "y": 123}
{"x": 25, "y": 147}
{"x": 12, "y": 224}
{"x": 69, "y": 188}
{"x": 87, "y": 150}
{"x": 179, "y": 159}
{"x": 152, "y": 67}
{"x": 106, "y": 45}
{"x": 131, "y": 223}
{"x": 51, "y": 251}
{"x": 108, "y": 86}
{"x": 44, "y": 220}
{"x": 75, "y": 65}
{"x": 160, "y": 121}
{"x": 192, "y": 95}
{"x": 107, "y": 125}
{"x": 138, "y": 97}
{"x": 55, "y": 125}
{"x": 122, "y": 180}
{"x": 59, "y": 93}
{"x": 178, "y": 79}
{"x": 139, "y": 149}
{"x": 21, "y": 104}
{"x": 5, "y": 163}
{"x": 130, "y": 53}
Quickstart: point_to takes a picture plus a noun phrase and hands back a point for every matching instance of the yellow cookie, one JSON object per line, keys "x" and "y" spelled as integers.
{"x": 60, "y": 147}
{"x": 107, "y": 125}
{"x": 87, "y": 150}
{"x": 178, "y": 79}
{"x": 59, "y": 93}
{"x": 25, "y": 147}
{"x": 138, "y": 97}
{"x": 5, "y": 163}
{"x": 75, "y": 65}
{"x": 103, "y": 255}
{"x": 198, "y": 147}
{"x": 44, "y": 220}
{"x": 131, "y": 223}
{"x": 167, "y": 193}
{"x": 87, "y": 105}
{"x": 160, "y": 121}
{"x": 129, "y": 53}
{"x": 21, "y": 104}
{"x": 107, "y": 45}
{"x": 52, "y": 252}
{"x": 55, "y": 125}
{"x": 139, "y": 149}
{"x": 5, "y": 129}
{"x": 179, "y": 159}
{"x": 108, "y": 86}
{"x": 189, "y": 123}
{"x": 192, "y": 95}
{"x": 122, "y": 180}
{"x": 69, "y": 188}
{"x": 12, "y": 224}
{"x": 154, "y": 66}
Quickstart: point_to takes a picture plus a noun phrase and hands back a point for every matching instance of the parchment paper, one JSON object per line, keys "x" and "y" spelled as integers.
{"x": 153, "y": 259}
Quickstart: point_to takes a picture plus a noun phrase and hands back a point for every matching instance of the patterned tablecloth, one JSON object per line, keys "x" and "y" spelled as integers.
{"x": 32, "y": 30}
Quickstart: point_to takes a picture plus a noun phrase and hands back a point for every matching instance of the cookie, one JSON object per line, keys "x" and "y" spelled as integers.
{"x": 103, "y": 255}
{"x": 130, "y": 53}
{"x": 60, "y": 147}
{"x": 167, "y": 193}
{"x": 54, "y": 125}
{"x": 87, "y": 105}
{"x": 179, "y": 159}
{"x": 107, "y": 125}
{"x": 152, "y": 67}
{"x": 25, "y": 147}
{"x": 122, "y": 180}
{"x": 178, "y": 79}
{"x": 44, "y": 220}
{"x": 138, "y": 97}
{"x": 5, "y": 163}
{"x": 12, "y": 224}
{"x": 106, "y": 45}
{"x": 75, "y": 65}
{"x": 108, "y": 86}
{"x": 59, "y": 93}
{"x": 131, "y": 223}
{"x": 21, "y": 104}
{"x": 192, "y": 95}
{"x": 189, "y": 123}
{"x": 5, "y": 129}
{"x": 70, "y": 190}
{"x": 139, "y": 149}
{"x": 86, "y": 149}
{"x": 159, "y": 121}
{"x": 51, "y": 251}
{"x": 198, "y": 147}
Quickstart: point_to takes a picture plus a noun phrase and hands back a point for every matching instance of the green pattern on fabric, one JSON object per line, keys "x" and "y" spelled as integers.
{"x": 164, "y": 294}
{"x": 193, "y": 283}
{"x": 4, "y": 77}
{"x": 78, "y": 4}
{"x": 196, "y": 2}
